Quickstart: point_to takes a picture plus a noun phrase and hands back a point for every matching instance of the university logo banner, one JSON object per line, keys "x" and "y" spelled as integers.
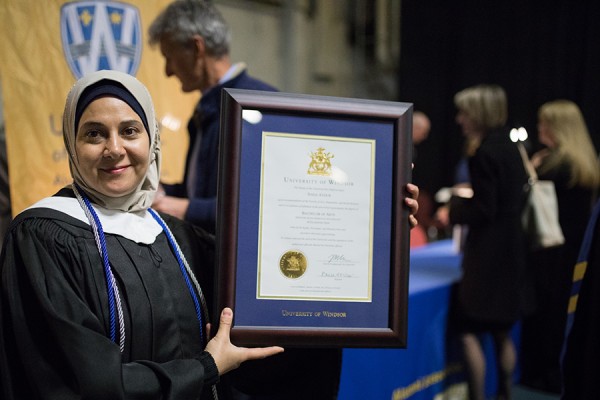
{"x": 46, "y": 46}
{"x": 101, "y": 35}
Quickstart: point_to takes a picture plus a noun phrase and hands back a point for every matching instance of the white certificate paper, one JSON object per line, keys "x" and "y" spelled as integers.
{"x": 316, "y": 218}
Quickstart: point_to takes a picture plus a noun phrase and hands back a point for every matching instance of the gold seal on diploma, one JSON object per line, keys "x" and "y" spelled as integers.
{"x": 293, "y": 264}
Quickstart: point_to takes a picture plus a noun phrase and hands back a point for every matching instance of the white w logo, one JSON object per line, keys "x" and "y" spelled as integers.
{"x": 101, "y": 35}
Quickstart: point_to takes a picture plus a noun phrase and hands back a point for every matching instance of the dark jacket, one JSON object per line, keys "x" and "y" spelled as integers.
{"x": 491, "y": 289}
{"x": 204, "y": 126}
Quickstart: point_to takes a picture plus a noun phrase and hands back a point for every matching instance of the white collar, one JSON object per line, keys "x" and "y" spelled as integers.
{"x": 138, "y": 226}
{"x": 232, "y": 72}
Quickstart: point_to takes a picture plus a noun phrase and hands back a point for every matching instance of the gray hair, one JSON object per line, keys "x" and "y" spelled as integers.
{"x": 182, "y": 19}
{"x": 485, "y": 104}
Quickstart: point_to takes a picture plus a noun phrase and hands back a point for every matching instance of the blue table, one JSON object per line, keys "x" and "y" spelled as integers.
{"x": 431, "y": 362}
{"x": 421, "y": 368}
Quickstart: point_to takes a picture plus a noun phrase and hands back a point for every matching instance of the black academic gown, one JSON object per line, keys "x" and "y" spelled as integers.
{"x": 580, "y": 372}
{"x": 54, "y": 314}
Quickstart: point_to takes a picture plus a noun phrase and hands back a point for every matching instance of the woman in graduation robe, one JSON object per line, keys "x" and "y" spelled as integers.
{"x": 99, "y": 294}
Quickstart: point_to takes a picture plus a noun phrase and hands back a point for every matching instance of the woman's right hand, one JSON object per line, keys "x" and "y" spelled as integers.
{"x": 442, "y": 215}
{"x": 228, "y": 356}
{"x": 537, "y": 158}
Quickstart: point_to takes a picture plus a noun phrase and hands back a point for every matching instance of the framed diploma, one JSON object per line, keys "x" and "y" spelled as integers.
{"x": 312, "y": 231}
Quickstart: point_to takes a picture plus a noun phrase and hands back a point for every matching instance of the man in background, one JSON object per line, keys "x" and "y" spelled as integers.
{"x": 419, "y": 236}
{"x": 421, "y": 127}
{"x": 194, "y": 41}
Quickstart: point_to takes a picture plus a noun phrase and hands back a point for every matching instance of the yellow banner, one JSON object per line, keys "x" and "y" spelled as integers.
{"x": 45, "y": 47}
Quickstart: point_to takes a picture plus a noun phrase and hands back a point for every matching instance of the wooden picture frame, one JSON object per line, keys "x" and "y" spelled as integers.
{"x": 312, "y": 231}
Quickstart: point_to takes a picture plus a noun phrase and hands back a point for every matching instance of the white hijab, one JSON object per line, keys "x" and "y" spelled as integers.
{"x": 141, "y": 198}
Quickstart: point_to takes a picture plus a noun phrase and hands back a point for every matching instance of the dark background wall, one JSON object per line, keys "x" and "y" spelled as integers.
{"x": 537, "y": 50}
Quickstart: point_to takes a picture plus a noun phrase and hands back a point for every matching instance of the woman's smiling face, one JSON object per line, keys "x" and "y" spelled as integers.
{"x": 112, "y": 146}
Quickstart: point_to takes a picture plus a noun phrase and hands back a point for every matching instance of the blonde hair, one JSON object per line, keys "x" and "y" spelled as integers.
{"x": 573, "y": 143}
{"x": 486, "y": 105}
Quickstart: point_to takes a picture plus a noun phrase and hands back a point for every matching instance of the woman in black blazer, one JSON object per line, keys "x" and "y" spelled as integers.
{"x": 489, "y": 297}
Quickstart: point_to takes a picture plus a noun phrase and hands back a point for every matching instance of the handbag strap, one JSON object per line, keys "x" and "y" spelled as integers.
{"x": 527, "y": 163}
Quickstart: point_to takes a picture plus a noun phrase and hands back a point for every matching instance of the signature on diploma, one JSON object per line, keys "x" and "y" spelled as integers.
{"x": 336, "y": 258}
{"x": 336, "y": 275}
